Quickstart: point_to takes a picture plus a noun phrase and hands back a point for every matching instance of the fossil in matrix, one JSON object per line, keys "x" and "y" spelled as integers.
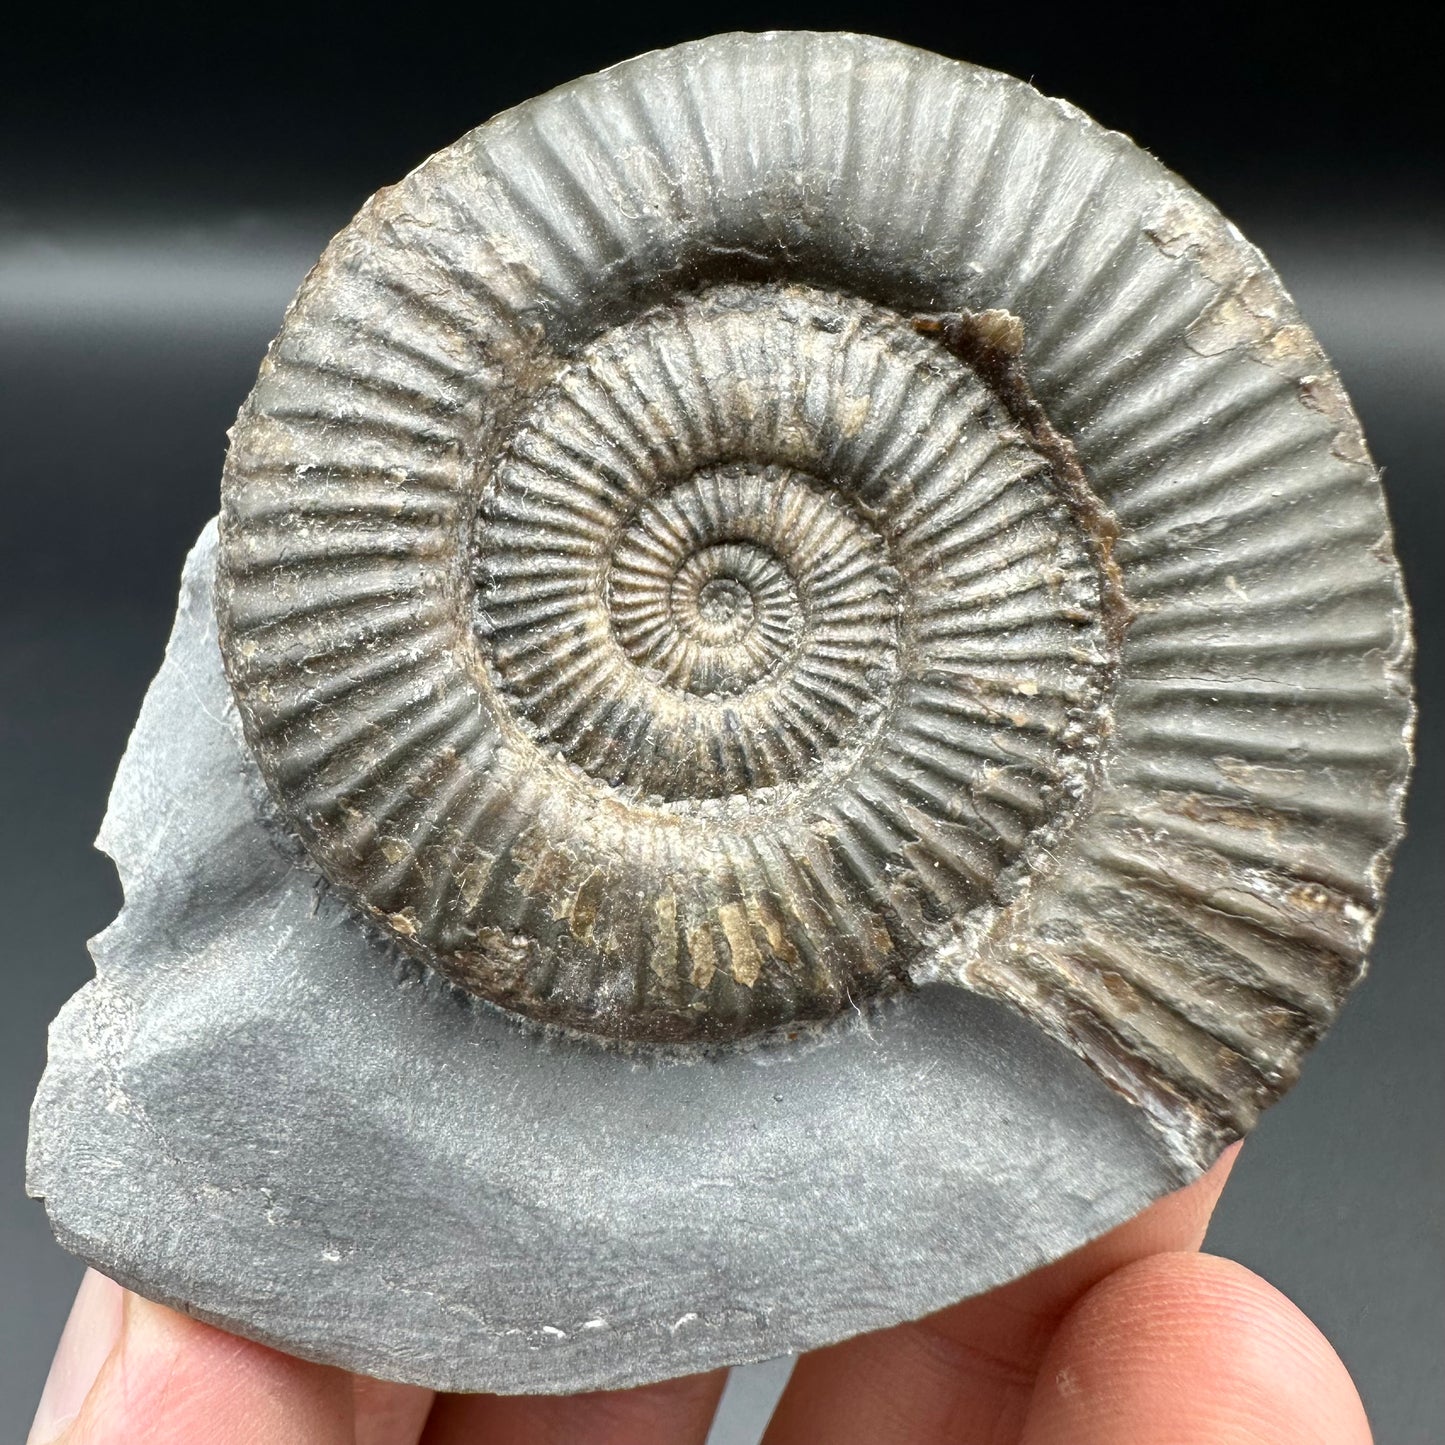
{"x": 820, "y": 711}
{"x": 793, "y": 516}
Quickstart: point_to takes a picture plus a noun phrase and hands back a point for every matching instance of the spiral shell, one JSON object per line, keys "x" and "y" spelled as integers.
{"x": 790, "y": 517}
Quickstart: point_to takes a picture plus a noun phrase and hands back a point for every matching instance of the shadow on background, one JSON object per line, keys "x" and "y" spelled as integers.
{"x": 166, "y": 188}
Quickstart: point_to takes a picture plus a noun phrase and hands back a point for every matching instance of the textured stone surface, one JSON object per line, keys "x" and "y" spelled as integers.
{"x": 265, "y": 1116}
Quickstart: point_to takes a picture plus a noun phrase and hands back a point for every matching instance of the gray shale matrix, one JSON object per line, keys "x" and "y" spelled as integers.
{"x": 799, "y": 704}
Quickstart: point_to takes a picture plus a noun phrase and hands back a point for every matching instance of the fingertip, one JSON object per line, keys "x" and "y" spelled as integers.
{"x": 90, "y": 1334}
{"x": 1196, "y": 1350}
{"x": 388, "y": 1413}
{"x": 672, "y": 1412}
{"x": 172, "y": 1380}
{"x": 1176, "y": 1221}
{"x": 1021, "y": 1316}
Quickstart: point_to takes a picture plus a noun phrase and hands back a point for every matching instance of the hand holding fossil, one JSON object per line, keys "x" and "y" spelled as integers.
{"x": 815, "y": 710}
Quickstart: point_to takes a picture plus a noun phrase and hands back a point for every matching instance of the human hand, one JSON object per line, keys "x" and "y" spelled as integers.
{"x": 1136, "y": 1339}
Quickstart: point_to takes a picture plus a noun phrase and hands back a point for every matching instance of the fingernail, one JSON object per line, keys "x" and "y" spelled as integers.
{"x": 87, "y": 1340}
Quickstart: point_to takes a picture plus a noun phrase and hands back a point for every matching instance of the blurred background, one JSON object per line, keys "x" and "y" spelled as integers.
{"x": 167, "y": 177}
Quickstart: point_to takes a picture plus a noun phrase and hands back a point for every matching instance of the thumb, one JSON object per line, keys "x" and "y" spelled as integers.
{"x": 129, "y": 1372}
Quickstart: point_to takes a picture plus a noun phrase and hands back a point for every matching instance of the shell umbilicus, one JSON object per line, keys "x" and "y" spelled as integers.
{"x": 791, "y": 517}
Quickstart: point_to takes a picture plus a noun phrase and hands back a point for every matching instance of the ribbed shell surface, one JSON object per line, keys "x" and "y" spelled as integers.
{"x": 792, "y": 516}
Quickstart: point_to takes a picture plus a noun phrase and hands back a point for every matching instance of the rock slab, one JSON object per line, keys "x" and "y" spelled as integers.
{"x": 259, "y": 1113}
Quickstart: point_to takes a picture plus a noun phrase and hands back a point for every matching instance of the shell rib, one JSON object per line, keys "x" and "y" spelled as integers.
{"x": 792, "y": 516}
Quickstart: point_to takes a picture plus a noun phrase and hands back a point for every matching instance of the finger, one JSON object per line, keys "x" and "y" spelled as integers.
{"x": 966, "y": 1373}
{"x": 388, "y": 1414}
{"x": 89, "y": 1336}
{"x": 1197, "y": 1351}
{"x": 676, "y": 1412}
{"x": 170, "y": 1380}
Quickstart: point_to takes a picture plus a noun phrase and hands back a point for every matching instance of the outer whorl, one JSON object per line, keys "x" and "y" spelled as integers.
{"x": 792, "y": 516}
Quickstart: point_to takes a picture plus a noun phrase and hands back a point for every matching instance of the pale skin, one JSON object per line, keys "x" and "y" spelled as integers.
{"x": 1136, "y": 1339}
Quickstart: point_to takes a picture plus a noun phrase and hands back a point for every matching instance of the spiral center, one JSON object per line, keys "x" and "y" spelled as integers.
{"x": 718, "y": 595}
{"x": 725, "y": 607}
{"x": 702, "y": 594}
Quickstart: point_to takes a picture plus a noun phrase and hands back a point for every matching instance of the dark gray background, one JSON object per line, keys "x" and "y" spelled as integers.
{"x": 166, "y": 179}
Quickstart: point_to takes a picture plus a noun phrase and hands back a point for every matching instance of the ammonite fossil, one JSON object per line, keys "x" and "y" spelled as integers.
{"x": 792, "y": 517}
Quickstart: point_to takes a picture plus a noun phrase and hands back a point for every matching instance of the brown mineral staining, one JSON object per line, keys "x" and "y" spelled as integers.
{"x": 684, "y": 590}
{"x": 663, "y": 959}
{"x": 1252, "y": 311}
{"x": 403, "y": 923}
{"x": 1323, "y": 393}
{"x": 704, "y": 957}
{"x": 746, "y": 962}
